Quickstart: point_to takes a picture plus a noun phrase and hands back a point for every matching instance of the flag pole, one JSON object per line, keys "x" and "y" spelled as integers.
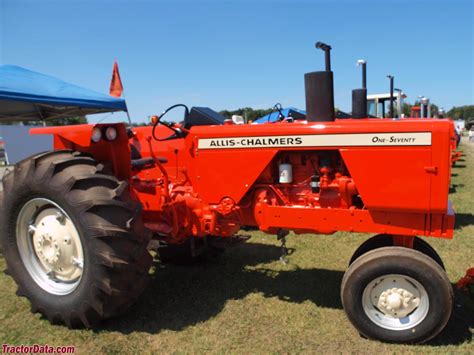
{"x": 128, "y": 116}
{"x": 126, "y": 110}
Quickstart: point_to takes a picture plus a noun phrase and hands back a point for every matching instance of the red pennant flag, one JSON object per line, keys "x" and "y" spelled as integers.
{"x": 116, "y": 87}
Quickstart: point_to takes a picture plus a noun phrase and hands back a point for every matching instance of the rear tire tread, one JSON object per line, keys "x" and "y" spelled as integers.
{"x": 119, "y": 252}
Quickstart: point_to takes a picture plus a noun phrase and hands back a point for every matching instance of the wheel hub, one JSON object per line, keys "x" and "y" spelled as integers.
{"x": 50, "y": 246}
{"x": 56, "y": 249}
{"x": 397, "y": 302}
{"x": 47, "y": 249}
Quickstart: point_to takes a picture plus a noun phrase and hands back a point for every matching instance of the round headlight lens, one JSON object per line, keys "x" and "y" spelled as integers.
{"x": 111, "y": 133}
{"x": 96, "y": 135}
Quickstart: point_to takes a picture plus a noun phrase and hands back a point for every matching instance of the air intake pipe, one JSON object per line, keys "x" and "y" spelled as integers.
{"x": 319, "y": 90}
{"x": 425, "y": 107}
{"x": 390, "y": 112}
{"x": 359, "y": 96}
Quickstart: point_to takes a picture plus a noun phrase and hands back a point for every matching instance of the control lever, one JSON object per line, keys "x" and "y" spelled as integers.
{"x": 281, "y": 236}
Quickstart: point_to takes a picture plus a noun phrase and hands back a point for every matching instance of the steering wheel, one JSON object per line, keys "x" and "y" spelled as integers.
{"x": 278, "y": 108}
{"x": 178, "y": 132}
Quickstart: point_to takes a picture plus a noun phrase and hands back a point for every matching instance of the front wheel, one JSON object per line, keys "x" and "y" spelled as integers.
{"x": 397, "y": 295}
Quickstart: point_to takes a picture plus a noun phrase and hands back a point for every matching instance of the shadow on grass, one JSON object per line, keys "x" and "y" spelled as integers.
{"x": 463, "y": 220}
{"x": 459, "y": 165}
{"x": 457, "y": 330}
{"x": 179, "y": 296}
{"x": 454, "y": 187}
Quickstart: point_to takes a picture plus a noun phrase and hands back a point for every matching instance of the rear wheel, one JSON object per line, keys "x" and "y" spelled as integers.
{"x": 73, "y": 238}
{"x": 397, "y": 294}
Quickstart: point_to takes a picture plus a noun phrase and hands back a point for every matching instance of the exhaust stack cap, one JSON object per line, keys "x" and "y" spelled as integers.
{"x": 319, "y": 90}
{"x": 327, "y": 53}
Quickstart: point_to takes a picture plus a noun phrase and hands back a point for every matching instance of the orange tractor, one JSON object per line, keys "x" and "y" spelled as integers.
{"x": 424, "y": 111}
{"x": 78, "y": 222}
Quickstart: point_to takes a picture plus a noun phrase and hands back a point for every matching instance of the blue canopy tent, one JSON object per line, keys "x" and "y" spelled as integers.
{"x": 26, "y": 95}
{"x": 287, "y": 112}
{"x": 296, "y": 114}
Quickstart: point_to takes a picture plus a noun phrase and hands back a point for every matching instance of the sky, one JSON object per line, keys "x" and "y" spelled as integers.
{"x": 231, "y": 54}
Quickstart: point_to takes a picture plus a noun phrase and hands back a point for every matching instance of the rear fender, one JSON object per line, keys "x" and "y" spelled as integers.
{"x": 114, "y": 153}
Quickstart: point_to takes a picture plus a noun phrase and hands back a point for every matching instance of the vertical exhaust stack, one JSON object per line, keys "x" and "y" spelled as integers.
{"x": 391, "y": 113}
{"x": 359, "y": 96}
{"x": 425, "y": 107}
{"x": 319, "y": 90}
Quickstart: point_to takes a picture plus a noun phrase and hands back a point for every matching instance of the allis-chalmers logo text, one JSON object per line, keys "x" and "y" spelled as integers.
{"x": 320, "y": 140}
{"x": 256, "y": 142}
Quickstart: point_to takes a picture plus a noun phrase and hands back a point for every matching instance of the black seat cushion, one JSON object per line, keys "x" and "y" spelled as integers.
{"x": 143, "y": 163}
{"x": 203, "y": 116}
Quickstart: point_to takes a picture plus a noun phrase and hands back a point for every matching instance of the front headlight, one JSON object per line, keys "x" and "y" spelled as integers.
{"x": 111, "y": 133}
{"x": 96, "y": 134}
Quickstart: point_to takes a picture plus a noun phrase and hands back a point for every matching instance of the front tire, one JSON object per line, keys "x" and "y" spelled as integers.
{"x": 72, "y": 238}
{"x": 386, "y": 240}
{"x": 398, "y": 295}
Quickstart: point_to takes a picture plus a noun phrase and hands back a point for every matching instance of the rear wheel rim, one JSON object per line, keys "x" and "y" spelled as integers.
{"x": 50, "y": 246}
{"x": 395, "y": 302}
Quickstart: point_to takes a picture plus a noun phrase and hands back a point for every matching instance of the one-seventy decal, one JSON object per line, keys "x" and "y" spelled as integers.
{"x": 320, "y": 140}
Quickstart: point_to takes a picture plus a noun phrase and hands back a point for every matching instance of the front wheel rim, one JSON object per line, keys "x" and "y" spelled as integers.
{"x": 395, "y": 302}
{"x": 50, "y": 246}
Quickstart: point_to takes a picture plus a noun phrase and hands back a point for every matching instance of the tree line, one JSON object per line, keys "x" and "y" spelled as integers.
{"x": 465, "y": 112}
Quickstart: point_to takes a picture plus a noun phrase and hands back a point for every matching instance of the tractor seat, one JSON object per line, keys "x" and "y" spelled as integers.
{"x": 143, "y": 163}
{"x": 203, "y": 116}
{"x": 139, "y": 163}
{"x": 146, "y": 163}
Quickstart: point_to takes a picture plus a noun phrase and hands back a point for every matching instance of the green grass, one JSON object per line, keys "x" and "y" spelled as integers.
{"x": 247, "y": 301}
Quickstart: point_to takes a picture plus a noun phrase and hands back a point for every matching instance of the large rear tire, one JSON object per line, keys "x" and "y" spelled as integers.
{"x": 73, "y": 238}
{"x": 398, "y": 295}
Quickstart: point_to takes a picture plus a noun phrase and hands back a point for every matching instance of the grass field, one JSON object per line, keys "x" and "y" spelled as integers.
{"x": 247, "y": 301}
